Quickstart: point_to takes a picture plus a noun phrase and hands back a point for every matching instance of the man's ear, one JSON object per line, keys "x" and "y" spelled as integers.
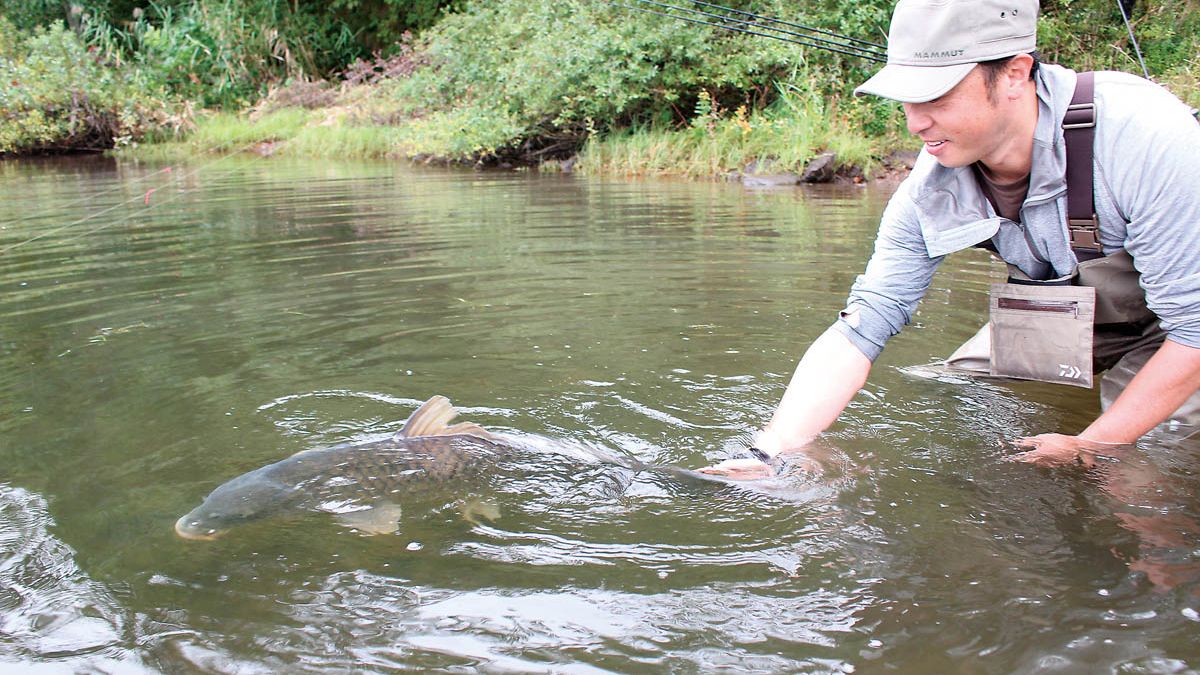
{"x": 1016, "y": 74}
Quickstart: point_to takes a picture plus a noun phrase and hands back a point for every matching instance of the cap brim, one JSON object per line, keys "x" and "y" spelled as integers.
{"x": 914, "y": 84}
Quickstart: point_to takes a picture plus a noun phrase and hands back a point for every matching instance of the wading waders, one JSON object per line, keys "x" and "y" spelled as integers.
{"x": 1067, "y": 329}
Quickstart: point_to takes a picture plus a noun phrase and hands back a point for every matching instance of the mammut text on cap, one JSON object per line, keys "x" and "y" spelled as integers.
{"x": 933, "y": 44}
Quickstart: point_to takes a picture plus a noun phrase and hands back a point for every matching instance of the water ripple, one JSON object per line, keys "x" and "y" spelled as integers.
{"x": 49, "y": 608}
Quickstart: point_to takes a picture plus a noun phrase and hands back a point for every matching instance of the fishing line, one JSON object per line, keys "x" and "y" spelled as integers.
{"x": 127, "y": 217}
{"x": 69, "y": 225}
{"x": 836, "y": 48}
{"x": 1137, "y": 49}
{"x": 142, "y": 197}
{"x": 95, "y": 195}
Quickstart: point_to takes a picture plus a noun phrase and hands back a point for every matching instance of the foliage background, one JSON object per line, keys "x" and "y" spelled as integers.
{"x": 496, "y": 80}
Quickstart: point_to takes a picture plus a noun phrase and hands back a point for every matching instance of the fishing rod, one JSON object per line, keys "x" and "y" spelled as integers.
{"x": 761, "y": 17}
{"x": 871, "y": 51}
{"x": 1133, "y": 38}
{"x": 798, "y": 39}
{"x": 875, "y": 54}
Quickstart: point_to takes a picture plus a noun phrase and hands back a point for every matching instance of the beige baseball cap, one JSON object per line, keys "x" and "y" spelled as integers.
{"x": 933, "y": 44}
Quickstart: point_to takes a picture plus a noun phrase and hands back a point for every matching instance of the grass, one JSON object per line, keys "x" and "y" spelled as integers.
{"x": 222, "y": 132}
{"x": 343, "y": 141}
{"x": 287, "y": 131}
{"x": 1184, "y": 82}
{"x": 790, "y": 133}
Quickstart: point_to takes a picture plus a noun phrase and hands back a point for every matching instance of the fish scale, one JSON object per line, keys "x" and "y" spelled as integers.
{"x": 361, "y": 476}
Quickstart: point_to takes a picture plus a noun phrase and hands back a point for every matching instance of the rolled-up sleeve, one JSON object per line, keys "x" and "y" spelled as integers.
{"x": 884, "y": 298}
{"x": 1151, "y": 173}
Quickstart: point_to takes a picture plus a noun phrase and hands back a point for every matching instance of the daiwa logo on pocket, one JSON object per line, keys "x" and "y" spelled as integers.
{"x": 1072, "y": 372}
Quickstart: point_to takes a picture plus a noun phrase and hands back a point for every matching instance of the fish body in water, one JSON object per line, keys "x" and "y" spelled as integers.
{"x": 362, "y": 482}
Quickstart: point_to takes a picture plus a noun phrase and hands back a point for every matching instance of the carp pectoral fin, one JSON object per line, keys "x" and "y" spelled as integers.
{"x": 381, "y": 519}
{"x": 474, "y": 509}
{"x": 432, "y": 418}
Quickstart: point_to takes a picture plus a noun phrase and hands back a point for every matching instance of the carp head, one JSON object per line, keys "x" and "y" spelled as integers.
{"x": 242, "y": 500}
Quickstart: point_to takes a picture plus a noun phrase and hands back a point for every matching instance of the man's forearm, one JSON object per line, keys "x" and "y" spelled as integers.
{"x": 830, "y": 374}
{"x": 1162, "y": 385}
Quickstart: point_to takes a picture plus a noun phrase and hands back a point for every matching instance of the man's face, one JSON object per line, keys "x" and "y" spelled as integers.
{"x": 966, "y": 125}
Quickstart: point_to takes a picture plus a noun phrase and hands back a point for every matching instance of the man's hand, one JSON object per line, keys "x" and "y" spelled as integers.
{"x": 1059, "y": 450}
{"x": 1161, "y": 386}
{"x": 749, "y": 468}
{"x": 742, "y": 468}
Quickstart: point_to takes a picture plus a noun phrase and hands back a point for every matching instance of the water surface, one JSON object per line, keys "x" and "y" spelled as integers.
{"x": 162, "y": 332}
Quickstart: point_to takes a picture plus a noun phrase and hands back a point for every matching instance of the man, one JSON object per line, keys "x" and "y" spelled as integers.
{"x": 991, "y": 173}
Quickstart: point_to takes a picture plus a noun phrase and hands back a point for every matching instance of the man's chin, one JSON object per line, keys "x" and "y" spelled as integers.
{"x": 950, "y": 160}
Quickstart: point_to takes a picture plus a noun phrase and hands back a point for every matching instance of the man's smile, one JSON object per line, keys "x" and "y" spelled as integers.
{"x": 935, "y": 147}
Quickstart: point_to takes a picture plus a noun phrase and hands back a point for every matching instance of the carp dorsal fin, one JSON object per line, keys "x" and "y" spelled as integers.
{"x": 468, "y": 428}
{"x": 431, "y": 420}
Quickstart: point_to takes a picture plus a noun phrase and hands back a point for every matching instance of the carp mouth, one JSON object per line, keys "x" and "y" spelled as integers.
{"x": 188, "y": 530}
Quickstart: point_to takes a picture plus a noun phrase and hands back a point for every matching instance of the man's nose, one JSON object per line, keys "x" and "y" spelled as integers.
{"x": 916, "y": 118}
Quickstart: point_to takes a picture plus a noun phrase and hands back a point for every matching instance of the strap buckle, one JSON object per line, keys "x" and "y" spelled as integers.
{"x": 1080, "y": 116}
{"x": 1084, "y": 232}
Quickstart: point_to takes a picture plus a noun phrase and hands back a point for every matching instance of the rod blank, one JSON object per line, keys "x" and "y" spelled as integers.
{"x": 760, "y": 17}
{"x": 778, "y": 34}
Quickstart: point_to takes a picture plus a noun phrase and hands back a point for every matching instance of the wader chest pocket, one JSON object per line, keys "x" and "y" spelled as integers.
{"x": 1043, "y": 332}
{"x": 1058, "y": 307}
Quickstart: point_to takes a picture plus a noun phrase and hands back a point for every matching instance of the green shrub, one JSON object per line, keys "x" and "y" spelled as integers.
{"x": 534, "y": 79}
{"x": 561, "y": 69}
{"x": 228, "y": 52}
{"x": 57, "y": 94}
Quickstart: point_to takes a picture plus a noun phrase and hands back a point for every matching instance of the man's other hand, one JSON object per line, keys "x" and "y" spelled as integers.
{"x": 1059, "y": 450}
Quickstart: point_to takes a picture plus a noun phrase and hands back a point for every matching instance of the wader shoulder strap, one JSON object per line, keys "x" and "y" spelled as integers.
{"x": 1079, "y": 132}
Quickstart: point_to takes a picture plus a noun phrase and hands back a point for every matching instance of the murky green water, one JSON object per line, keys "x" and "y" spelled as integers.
{"x": 155, "y": 344}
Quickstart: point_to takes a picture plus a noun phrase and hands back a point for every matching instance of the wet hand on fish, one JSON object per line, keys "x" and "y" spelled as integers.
{"x": 753, "y": 468}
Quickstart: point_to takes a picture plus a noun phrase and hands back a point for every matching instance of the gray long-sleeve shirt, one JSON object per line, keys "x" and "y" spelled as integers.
{"x": 1147, "y": 195}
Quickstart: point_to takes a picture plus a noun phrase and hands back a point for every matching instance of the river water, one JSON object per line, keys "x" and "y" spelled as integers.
{"x": 164, "y": 331}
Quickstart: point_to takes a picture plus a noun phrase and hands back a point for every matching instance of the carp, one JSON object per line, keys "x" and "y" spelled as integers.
{"x": 363, "y": 483}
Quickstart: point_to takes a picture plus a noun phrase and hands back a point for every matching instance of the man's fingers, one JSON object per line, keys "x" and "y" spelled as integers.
{"x": 1045, "y": 459}
{"x": 741, "y": 468}
{"x": 1029, "y": 458}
